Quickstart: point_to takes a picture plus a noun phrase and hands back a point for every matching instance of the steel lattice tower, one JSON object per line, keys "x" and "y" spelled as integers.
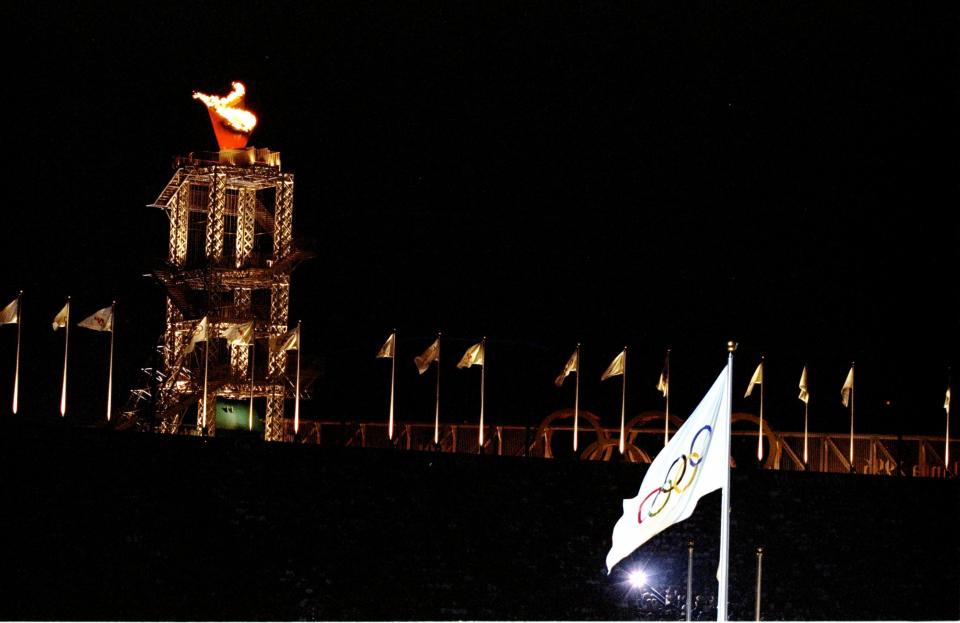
{"x": 230, "y": 258}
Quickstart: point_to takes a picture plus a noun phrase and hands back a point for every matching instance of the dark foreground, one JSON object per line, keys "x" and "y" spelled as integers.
{"x": 105, "y": 525}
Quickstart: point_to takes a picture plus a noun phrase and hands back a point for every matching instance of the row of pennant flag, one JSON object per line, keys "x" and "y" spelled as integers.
{"x": 241, "y": 334}
{"x": 474, "y": 356}
{"x": 236, "y": 334}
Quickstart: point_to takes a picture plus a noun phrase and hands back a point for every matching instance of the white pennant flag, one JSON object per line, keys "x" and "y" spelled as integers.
{"x": 756, "y": 379}
{"x": 239, "y": 333}
{"x": 11, "y": 313}
{"x": 473, "y": 356}
{"x": 389, "y": 348}
{"x": 693, "y": 464}
{"x": 428, "y": 356}
{"x": 847, "y": 388}
{"x": 62, "y": 317}
{"x": 288, "y": 341}
{"x": 101, "y": 320}
{"x": 199, "y": 335}
{"x": 804, "y": 394}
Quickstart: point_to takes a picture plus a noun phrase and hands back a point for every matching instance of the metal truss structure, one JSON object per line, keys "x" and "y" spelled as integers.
{"x": 230, "y": 257}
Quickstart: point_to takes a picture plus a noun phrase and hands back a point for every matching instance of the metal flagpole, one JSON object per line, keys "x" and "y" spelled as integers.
{"x": 393, "y": 380}
{"x": 253, "y": 366}
{"x": 113, "y": 328}
{"x": 725, "y": 498}
{"x": 623, "y": 402}
{"x": 946, "y": 443}
{"x": 66, "y": 348}
{"x": 763, "y": 383}
{"x": 756, "y": 609}
{"x": 296, "y": 400}
{"x": 853, "y": 382}
{"x": 436, "y": 415}
{"x": 483, "y": 373}
{"x": 576, "y": 402}
{"x": 689, "y": 580}
{"x": 16, "y": 371}
{"x": 206, "y": 369}
{"x": 806, "y": 428}
{"x": 666, "y": 415}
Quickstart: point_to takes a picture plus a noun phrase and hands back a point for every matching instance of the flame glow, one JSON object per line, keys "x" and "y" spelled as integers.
{"x": 231, "y": 122}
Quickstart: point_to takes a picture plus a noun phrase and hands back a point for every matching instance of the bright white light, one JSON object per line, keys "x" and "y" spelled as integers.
{"x": 638, "y": 579}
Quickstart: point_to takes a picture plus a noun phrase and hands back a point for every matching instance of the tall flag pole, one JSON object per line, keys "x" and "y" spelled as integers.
{"x": 805, "y": 397}
{"x": 11, "y": 315}
{"x": 253, "y": 367}
{"x": 389, "y": 350}
{"x": 296, "y": 389}
{"x": 724, "y": 567}
{"x": 475, "y": 356}
{"x": 663, "y": 386}
{"x": 695, "y": 462}
{"x": 241, "y": 334}
{"x": 946, "y": 445}
{"x": 423, "y": 363}
{"x": 62, "y": 320}
{"x": 199, "y": 334}
{"x": 572, "y": 365}
{"x": 757, "y": 379}
{"x": 102, "y": 320}
{"x": 846, "y": 396}
{"x": 291, "y": 341}
{"x": 618, "y": 367}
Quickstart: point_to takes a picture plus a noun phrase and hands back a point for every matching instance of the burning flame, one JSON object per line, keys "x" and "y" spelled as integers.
{"x": 231, "y": 123}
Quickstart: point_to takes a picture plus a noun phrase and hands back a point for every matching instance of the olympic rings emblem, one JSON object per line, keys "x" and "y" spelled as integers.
{"x": 680, "y": 475}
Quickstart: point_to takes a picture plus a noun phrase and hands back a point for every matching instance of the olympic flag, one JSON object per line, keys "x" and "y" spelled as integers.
{"x": 694, "y": 463}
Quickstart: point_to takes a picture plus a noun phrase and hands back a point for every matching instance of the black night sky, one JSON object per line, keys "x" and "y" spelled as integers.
{"x": 648, "y": 174}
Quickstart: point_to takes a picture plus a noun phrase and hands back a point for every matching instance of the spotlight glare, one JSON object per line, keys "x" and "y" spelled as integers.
{"x": 638, "y": 579}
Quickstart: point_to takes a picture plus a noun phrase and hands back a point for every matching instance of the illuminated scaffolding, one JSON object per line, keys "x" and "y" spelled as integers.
{"x": 229, "y": 259}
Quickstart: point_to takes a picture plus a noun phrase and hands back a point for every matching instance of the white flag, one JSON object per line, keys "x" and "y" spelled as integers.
{"x": 199, "y": 335}
{"x": 804, "y": 394}
{"x": 11, "y": 313}
{"x": 473, "y": 356}
{"x": 663, "y": 385}
{"x": 693, "y": 464}
{"x": 288, "y": 341}
{"x": 946, "y": 402}
{"x": 756, "y": 379}
{"x": 616, "y": 366}
{"x": 62, "y": 317}
{"x": 428, "y": 356}
{"x": 239, "y": 333}
{"x": 389, "y": 348}
{"x": 101, "y": 320}
{"x": 572, "y": 365}
{"x": 847, "y": 388}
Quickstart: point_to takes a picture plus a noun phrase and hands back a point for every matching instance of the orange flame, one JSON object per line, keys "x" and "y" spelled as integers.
{"x": 231, "y": 123}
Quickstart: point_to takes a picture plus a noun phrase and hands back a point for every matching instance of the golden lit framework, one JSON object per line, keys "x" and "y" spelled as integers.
{"x": 230, "y": 257}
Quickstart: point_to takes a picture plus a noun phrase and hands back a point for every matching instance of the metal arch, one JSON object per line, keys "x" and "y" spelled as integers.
{"x": 773, "y": 456}
{"x": 544, "y": 435}
{"x": 603, "y": 451}
{"x": 651, "y": 416}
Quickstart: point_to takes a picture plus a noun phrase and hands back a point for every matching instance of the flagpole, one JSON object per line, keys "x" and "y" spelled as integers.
{"x": 666, "y": 415}
{"x": 113, "y": 328}
{"x": 725, "y": 497}
{"x": 576, "y": 402}
{"x": 16, "y": 370}
{"x": 852, "y": 383}
{"x": 206, "y": 369}
{"x": 296, "y": 400}
{"x": 66, "y": 348}
{"x": 806, "y": 421}
{"x": 393, "y": 379}
{"x": 436, "y": 414}
{"x": 253, "y": 366}
{"x": 763, "y": 383}
{"x": 623, "y": 402}
{"x": 483, "y": 374}
{"x": 946, "y": 443}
